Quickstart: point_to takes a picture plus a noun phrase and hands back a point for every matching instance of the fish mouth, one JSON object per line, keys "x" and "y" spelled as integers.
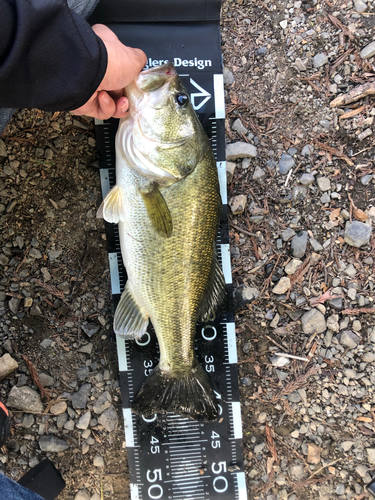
{"x": 153, "y": 78}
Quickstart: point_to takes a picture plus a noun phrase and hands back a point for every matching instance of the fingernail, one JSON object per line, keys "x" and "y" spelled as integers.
{"x": 106, "y": 99}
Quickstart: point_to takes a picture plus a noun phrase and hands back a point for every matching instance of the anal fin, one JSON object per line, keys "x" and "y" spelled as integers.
{"x": 158, "y": 211}
{"x": 129, "y": 320}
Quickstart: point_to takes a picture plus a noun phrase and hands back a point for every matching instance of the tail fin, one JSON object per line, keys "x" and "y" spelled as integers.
{"x": 189, "y": 395}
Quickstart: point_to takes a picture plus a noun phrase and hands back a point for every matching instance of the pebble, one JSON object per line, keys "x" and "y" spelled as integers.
{"x": 243, "y": 295}
{"x": 239, "y": 127}
{"x": 7, "y": 365}
{"x": 259, "y": 173}
{"x": 46, "y": 379}
{"x": 357, "y": 233}
{"x": 82, "y": 495}
{"x": 324, "y": 184}
{"x": 313, "y": 453}
{"x": 240, "y": 150}
{"x": 352, "y": 293}
{"x": 307, "y": 150}
{"x": 79, "y": 398}
{"x": 333, "y": 323}
{"x": 58, "y": 408}
{"x": 238, "y": 203}
{"x": 275, "y": 321}
{"x": 371, "y": 455}
{"x": 346, "y": 445}
{"x": 52, "y": 444}
{"x": 363, "y": 135}
{"x": 350, "y": 270}
{"x": 313, "y": 321}
{"x": 89, "y": 328}
{"x": 98, "y": 461}
{"x": 102, "y": 403}
{"x": 356, "y": 326}
{"x": 368, "y": 357}
{"x": 315, "y": 245}
{"x": 108, "y": 419}
{"x": 25, "y": 399}
{"x": 306, "y": 179}
{"x": 299, "y": 244}
{"x": 262, "y": 417}
{"x": 231, "y": 167}
{"x": 282, "y": 286}
{"x": 287, "y": 234}
{"x": 325, "y": 198}
{"x": 349, "y": 339}
{"x": 283, "y": 24}
{"x": 84, "y": 421}
{"x": 294, "y": 397}
{"x": 292, "y": 266}
{"x": 368, "y": 51}
{"x": 366, "y": 179}
{"x": 86, "y": 349}
{"x": 320, "y": 60}
{"x": 285, "y": 164}
{"x": 228, "y": 76}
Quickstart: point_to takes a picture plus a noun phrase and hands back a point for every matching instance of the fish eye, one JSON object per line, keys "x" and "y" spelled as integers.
{"x": 181, "y": 99}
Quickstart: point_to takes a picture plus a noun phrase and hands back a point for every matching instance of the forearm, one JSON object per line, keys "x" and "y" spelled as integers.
{"x": 49, "y": 56}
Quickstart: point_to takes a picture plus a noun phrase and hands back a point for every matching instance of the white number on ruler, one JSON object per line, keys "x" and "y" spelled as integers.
{"x": 148, "y": 367}
{"x": 215, "y": 443}
{"x": 147, "y": 341}
{"x": 208, "y": 360}
{"x": 151, "y": 419}
{"x": 220, "y": 483}
{"x": 209, "y": 332}
{"x": 155, "y": 491}
{"x": 154, "y": 448}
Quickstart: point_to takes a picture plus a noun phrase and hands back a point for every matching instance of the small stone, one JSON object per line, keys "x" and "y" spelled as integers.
{"x": 325, "y": 198}
{"x": 231, "y": 166}
{"x": 239, "y": 127}
{"x": 371, "y": 455}
{"x": 307, "y": 150}
{"x": 349, "y": 339}
{"x": 313, "y": 321}
{"x": 295, "y": 434}
{"x": 7, "y": 365}
{"x": 357, "y": 233}
{"x": 352, "y": 293}
{"x": 287, "y": 234}
{"x": 52, "y": 444}
{"x": 283, "y": 24}
{"x": 46, "y": 380}
{"x": 25, "y": 399}
{"x": 356, "y": 326}
{"x": 363, "y": 135}
{"x": 84, "y": 421}
{"x": 313, "y": 453}
{"x": 366, "y": 179}
{"x": 240, "y": 150}
{"x": 14, "y": 304}
{"x": 292, "y": 266}
{"x": 320, "y": 60}
{"x": 368, "y": 357}
{"x": 299, "y": 64}
{"x": 90, "y": 328}
{"x": 275, "y": 321}
{"x": 259, "y": 173}
{"x": 54, "y": 254}
{"x": 350, "y": 270}
{"x": 262, "y": 417}
{"x": 315, "y": 245}
{"x": 285, "y": 164}
{"x": 299, "y": 244}
{"x": 69, "y": 426}
{"x": 324, "y": 184}
{"x": 368, "y": 51}
{"x": 98, "y": 461}
{"x": 82, "y": 495}
{"x": 340, "y": 489}
{"x": 79, "y": 398}
{"x": 297, "y": 473}
{"x": 294, "y": 397}
{"x": 243, "y": 295}
{"x": 325, "y": 124}
{"x": 238, "y": 203}
{"x": 333, "y": 323}
{"x": 306, "y": 179}
{"x": 58, "y": 408}
{"x": 282, "y": 375}
{"x": 346, "y": 445}
{"x": 35, "y": 253}
{"x": 86, "y": 349}
{"x": 108, "y": 419}
{"x": 102, "y": 403}
{"x": 28, "y": 420}
{"x": 282, "y": 286}
{"x": 228, "y": 76}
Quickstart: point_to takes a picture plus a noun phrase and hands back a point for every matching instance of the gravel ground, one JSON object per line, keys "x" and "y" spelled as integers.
{"x": 301, "y": 184}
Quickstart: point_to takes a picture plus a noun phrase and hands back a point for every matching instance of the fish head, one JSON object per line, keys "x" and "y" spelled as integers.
{"x": 165, "y": 135}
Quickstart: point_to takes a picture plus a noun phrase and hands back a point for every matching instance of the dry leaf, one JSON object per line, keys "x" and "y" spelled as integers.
{"x": 257, "y": 369}
{"x": 326, "y": 296}
{"x": 334, "y": 214}
{"x": 359, "y": 214}
{"x": 365, "y": 419}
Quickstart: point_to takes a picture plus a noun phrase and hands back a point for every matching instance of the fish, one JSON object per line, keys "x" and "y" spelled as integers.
{"x": 167, "y": 204}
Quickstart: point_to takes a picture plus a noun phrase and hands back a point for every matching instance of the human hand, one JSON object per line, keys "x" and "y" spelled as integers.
{"x": 124, "y": 64}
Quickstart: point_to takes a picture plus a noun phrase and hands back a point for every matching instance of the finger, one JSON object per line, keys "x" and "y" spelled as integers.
{"x": 106, "y": 106}
{"x": 122, "y": 107}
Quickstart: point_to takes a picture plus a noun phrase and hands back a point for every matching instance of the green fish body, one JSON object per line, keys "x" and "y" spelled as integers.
{"x": 167, "y": 205}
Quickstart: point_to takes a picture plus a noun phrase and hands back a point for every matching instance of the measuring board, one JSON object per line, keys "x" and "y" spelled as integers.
{"x": 171, "y": 456}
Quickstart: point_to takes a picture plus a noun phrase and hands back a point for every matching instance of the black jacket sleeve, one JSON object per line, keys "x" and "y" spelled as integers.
{"x": 50, "y": 58}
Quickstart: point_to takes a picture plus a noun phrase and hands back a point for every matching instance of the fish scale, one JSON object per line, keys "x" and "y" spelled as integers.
{"x": 197, "y": 460}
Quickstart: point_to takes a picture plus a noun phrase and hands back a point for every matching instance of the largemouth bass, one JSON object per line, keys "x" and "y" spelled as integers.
{"x": 167, "y": 205}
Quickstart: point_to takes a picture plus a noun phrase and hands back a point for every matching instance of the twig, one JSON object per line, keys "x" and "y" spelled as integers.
{"x": 34, "y": 375}
{"x": 365, "y": 310}
{"x": 284, "y": 355}
{"x": 354, "y": 94}
{"x": 324, "y": 467}
{"x": 274, "y": 342}
{"x": 271, "y": 442}
{"x": 336, "y": 152}
{"x": 297, "y": 383}
{"x": 244, "y": 231}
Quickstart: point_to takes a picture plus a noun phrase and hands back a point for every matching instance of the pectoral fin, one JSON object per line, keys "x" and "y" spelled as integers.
{"x": 129, "y": 321}
{"x": 112, "y": 207}
{"x": 158, "y": 211}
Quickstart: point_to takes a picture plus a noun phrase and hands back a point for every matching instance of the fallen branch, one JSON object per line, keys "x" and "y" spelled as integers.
{"x": 364, "y": 310}
{"x": 334, "y": 151}
{"x": 350, "y": 114}
{"x": 34, "y": 375}
{"x": 271, "y": 442}
{"x": 354, "y": 94}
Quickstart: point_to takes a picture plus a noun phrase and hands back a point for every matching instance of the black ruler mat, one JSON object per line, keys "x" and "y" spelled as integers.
{"x": 170, "y": 456}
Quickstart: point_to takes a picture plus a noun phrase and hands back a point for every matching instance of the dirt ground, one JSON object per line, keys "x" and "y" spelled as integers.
{"x": 308, "y": 424}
